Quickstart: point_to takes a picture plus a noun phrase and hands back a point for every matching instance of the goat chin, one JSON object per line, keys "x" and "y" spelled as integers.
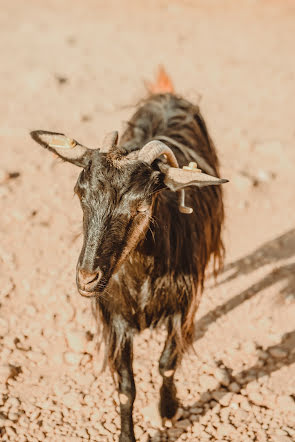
{"x": 87, "y": 294}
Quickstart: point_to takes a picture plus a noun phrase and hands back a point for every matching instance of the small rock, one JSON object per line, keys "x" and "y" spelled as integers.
{"x": 207, "y": 382}
{"x": 152, "y": 432}
{"x": 86, "y": 358}
{"x": 151, "y": 414}
{"x": 250, "y": 347}
{"x": 241, "y": 414}
{"x": 93, "y": 433}
{"x": 222, "y": 376}
{"x": 31, "y": 310}
{"x": 276, "y": 438}
{"x": 218, "y": 395}
{"x": 225, "y": 400}
{"x": 36, "y": 356}
{"x": 82, "y": 433}
{"x": 244, "y": 404}
{"x": 213, "y": 403}
{"x": 178, "y": 415}
{"x": 286, "y": 402}
{"x": 76, "y": 340}
{"x": 225, "y": 430}
{"x": 72, "y": 358}
{"x": 280, "y": 432}
{"x": 4, "y": 328}
{"x": 5, "y": 372}
{"x": 110, "y": 427}
{"x": 234, "y": 387}
{"x": 3, "y": 176}
{"x": 264, "y": 176}
{"x": 278, "y": 353}
{"x": 256, "y": 398}
{"x": 12, "y": 402}
{"x": 183, "y": 424}
{"x": 206, "y": 397}
{"x": 24, "y": 421}
{"x": 197, "y": 429}
{"x": 290, "y": 298}
{"x": 290, "y": 431}
{"x": 61, "y": 79}
{"x": 13, "y": 416}
{"x": 262, "y": 355}
{"x": 138, "y": 432}
{"x": 60, "y": 389}
{"x": 89, "y": 400}
{"x": 196, "y": 410}
{"x": 168, "y": 423}
{"x": 71, "y": 400}
{"x": 224, "y": 414}
{"x": 174, "y": 433}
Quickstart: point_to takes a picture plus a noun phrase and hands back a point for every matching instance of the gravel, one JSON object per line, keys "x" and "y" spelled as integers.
{"x": 238, "y": 383}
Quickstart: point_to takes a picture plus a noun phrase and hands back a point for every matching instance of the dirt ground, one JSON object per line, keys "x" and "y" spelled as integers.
{"x": 78, "y": 68}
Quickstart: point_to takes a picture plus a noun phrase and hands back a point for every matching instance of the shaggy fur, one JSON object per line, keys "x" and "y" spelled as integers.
{"x": 164, "y": 276}
{"x": 143, "y": 261}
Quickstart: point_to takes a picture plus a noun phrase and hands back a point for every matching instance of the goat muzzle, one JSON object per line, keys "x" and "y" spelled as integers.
{"x": 87, "y": 281}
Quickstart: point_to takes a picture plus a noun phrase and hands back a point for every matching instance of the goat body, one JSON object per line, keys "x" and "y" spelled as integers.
{"x": 163, "y": 276}
{"x": 142, "y": 260}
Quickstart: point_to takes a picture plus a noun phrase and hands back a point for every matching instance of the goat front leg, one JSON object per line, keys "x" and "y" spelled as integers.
{"x": 167, "y": 367}
{"x": 126, "y": 390}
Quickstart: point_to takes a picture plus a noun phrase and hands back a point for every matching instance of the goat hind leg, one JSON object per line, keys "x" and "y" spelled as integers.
{"x": 123, "y": 366}
{"x": 167, "y": 367}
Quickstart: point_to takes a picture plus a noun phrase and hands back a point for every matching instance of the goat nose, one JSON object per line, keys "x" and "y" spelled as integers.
{"x": 88, "y": 280}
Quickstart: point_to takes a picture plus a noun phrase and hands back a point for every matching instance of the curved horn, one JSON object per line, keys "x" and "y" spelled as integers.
{"x": 110, "y": 140}
{"x": 153, "y": 150}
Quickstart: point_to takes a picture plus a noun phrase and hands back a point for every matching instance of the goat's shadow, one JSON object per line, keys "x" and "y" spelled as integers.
{"x": 287, "y": 344}
{"x": 282, "y": 247}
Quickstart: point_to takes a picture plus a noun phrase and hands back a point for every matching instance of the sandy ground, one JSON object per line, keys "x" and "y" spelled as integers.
{"x": 78, "y": 67}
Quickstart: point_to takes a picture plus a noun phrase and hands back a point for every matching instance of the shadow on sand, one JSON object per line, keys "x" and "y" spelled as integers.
{"x": 280, "y": 248}
{"x": 242, "y": 378}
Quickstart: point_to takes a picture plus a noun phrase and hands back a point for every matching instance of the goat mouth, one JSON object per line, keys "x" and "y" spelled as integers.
{"x": 88, "y": 294}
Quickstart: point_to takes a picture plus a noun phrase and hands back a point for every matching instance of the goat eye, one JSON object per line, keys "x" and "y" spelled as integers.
{"x": 143, "y": 208}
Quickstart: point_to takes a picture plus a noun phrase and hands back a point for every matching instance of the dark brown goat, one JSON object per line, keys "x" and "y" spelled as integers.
{"x": 143, "y": 258}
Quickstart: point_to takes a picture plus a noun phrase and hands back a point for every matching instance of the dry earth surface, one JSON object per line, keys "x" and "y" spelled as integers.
{"x": 78, "y": 67}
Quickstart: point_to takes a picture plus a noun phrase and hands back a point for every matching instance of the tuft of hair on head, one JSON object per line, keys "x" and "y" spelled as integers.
{"x": 162, "y": 85}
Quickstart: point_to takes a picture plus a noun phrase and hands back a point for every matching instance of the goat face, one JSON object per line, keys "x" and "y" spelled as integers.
{"x": 116, "y": 191}
{"x": 116, "y": 198}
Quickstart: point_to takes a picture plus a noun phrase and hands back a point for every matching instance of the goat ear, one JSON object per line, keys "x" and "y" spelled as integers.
{"x": 177, "y": 179}
{"x": 66, "y": 148}
{"x": 109, "y": 142}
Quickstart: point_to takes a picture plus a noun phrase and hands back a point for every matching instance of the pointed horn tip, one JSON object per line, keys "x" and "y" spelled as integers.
{"x": 223, "y": 181}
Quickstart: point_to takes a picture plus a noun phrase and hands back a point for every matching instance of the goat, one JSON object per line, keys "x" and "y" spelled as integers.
{"x": 143, "y": 257}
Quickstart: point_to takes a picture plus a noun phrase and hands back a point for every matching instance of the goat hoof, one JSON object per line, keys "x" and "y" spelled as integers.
{"x": 168, "y": 403}
{"x": 127, "y": 438}
{"x": 169, "y": 410}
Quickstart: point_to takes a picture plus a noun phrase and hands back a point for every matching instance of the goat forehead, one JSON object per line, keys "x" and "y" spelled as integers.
{"x": 110, "y": 175}
{"x": 108, "y": 194}
{"x": 130, "y": 176}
